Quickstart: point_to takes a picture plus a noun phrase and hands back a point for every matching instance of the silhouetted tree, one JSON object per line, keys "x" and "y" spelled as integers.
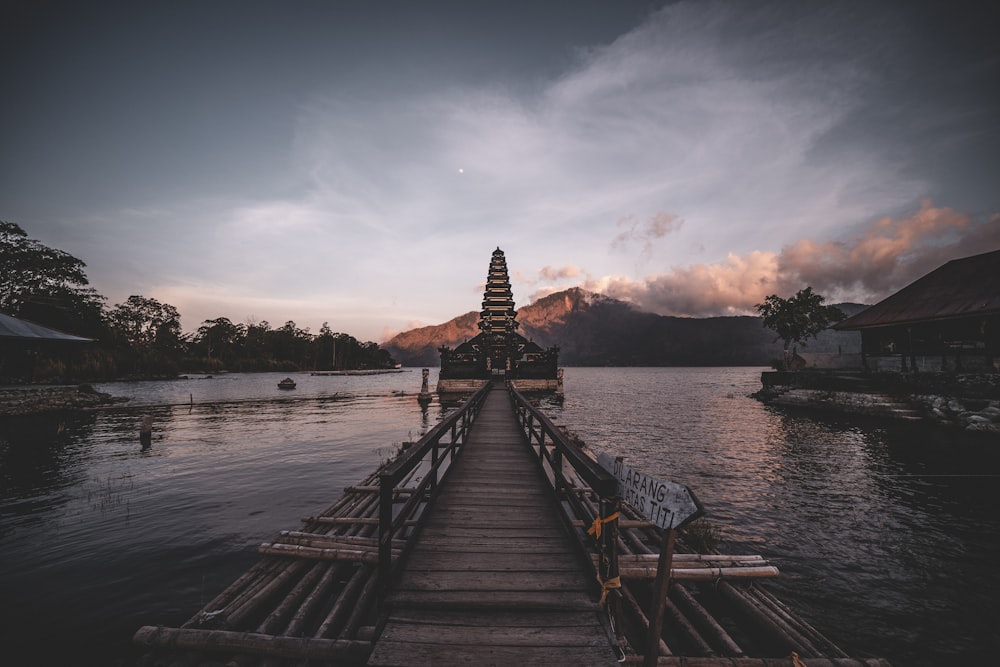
{"x": 152, "y": 332}
{"x": 220, "y": 339}
{"x": 798, "y": 318}
{"x": 46, "y": 285}
{"x": 291, "y": 344}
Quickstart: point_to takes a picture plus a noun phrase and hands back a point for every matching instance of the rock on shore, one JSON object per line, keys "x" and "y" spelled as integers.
{"x": 970, "y": 414}
{"x": 40, "y": 400}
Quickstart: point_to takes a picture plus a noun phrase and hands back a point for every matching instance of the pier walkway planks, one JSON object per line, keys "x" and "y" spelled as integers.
{"x": 494, "y": 579}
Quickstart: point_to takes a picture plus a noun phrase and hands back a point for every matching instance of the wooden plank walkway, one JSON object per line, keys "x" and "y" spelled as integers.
{"x": 494, "y": 579}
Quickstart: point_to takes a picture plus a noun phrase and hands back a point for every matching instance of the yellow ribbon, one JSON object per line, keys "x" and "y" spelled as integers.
{"x": 607, "y": 586}
{"x": 595, "y": 528}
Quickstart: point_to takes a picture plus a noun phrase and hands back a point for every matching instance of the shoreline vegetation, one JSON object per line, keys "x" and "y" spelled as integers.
{"x": 89, "y": 341}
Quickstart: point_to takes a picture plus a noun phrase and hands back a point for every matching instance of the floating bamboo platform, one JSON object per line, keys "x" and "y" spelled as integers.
{"x": 472, "y": 546}
{"x": 373, "y": 371}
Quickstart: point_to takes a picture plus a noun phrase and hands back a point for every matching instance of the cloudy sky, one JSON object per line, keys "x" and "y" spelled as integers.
{"x": 357, "y": 161}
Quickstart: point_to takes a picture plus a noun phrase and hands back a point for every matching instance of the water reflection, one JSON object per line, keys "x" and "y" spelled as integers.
{"x": 86, "y": 514}
{"x": 39, "y": 465}
{"x": 885, "y": 536}
{"x": 884, "y": 533}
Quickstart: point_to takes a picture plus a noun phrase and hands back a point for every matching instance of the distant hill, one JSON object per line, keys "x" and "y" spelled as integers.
{"x": 595, "y": 330}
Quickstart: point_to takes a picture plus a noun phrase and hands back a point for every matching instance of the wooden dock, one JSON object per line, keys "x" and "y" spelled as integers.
{"x": 472, "y": 547}
{"x": 494, "y": 578}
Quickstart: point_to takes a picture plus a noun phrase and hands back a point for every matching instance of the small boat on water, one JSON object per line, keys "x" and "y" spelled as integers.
{"x": 287, "y": 383}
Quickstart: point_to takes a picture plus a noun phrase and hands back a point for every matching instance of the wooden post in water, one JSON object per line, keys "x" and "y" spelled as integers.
{"x": 425, "y": 394}
{"x": 146, "y": 431}
{"x": 660, "y": 589}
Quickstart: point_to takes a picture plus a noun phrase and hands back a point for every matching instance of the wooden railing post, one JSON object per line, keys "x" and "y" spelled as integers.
{"x": 660, "y": 589}
{"x": 391, "y": 521}
{"x": 432, "y": 484}
{"x": 613, "y": 572}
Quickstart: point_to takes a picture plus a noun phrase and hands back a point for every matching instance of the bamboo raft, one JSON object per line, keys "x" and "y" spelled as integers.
{"x": 325, "y": 594}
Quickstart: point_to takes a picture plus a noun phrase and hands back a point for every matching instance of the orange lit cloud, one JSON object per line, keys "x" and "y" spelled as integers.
{"x": 886, "y": 255}
{"x": 549, "y": 274}
{"x": 889, "y": 254}
{"x": 558, "y": 273}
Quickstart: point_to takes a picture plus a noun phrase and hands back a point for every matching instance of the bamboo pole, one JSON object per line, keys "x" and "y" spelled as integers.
{"x": 243, "y": 642}
{"x": 689, "y": 558}
{"x": 368, "y": 595}
{"x": 684, "y": 627}
{"x": 788, "y": 625}
{"x": 344, "y": 600}
{"x": 224, "y": 598}
{"x": 676, "y": 661}
{"x": 705, "y": 573}
{"x": 320, "y": 540}
{"x": 249, "y": 591}
{"x": 639, "y": 616}
{"x": 710, "y": 628}
{"x": 829, "y": 649}
{"x": 238, "y": 614}
{"x": 271, "y": 623}
{"x": 352, "y": 520}
{"x": 778, "y": 630}
{"x": 357, "y": 554}
{"x": 349, "y": 504}
{"x": 396, "y": 491}
{"x": 318, "y": 594}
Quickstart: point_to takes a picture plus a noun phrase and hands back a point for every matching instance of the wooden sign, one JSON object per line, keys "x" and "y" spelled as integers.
{"x": 667, "y": 504}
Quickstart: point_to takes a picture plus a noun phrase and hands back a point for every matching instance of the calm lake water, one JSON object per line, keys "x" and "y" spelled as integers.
{"x": 886, "y": 536}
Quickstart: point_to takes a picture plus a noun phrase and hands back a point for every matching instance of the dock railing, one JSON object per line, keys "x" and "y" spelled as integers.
{"x": 438, "y": 447}
{"x": 577, "y": 480}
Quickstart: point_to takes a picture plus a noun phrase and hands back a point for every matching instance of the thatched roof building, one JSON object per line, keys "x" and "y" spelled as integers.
{"x": 949, "y": 320}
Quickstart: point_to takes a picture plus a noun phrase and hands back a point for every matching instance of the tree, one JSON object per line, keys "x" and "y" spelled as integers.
{"x": 146, "y": 324}
{"x": 291, "y": 345}
{"x": 798, "y": 318}
{"x": 45, "y": 285}
{"x": 220, "y": 338}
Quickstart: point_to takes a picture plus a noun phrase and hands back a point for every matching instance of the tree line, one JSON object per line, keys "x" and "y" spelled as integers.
{"x": 142, "y": 337}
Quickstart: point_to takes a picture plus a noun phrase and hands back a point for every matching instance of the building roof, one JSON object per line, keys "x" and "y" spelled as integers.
{"x": 968, "y": 287}
{"x": 18, "y": 329}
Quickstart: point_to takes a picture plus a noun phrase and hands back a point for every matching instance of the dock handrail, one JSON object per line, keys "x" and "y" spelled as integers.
{"x": 390, "y": 522}
{"x": 537, "y": 426}
{"x": 603, "y": 533}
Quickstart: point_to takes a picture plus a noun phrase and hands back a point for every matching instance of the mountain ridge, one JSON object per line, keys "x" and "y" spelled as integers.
{"x": 596, "y": 330}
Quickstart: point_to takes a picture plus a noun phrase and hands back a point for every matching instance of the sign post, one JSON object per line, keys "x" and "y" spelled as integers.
{"x": 668, "y": 505}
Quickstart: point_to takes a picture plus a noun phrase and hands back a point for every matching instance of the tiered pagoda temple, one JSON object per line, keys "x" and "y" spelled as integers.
{"x": 498, "y": 350}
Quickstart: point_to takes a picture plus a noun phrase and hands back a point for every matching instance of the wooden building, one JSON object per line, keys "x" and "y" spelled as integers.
{"x": 498, "y": 350}
{"x": 949, "y": 320}
{"x": 22, "y": 343}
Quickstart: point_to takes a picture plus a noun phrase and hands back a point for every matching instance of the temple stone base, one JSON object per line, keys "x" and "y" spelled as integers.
{"x": 543, "y": 384}
{"x": 461, "y": 386}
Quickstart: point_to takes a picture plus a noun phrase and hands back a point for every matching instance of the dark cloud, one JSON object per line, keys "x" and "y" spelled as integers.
{"x": 645, "y": 232}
